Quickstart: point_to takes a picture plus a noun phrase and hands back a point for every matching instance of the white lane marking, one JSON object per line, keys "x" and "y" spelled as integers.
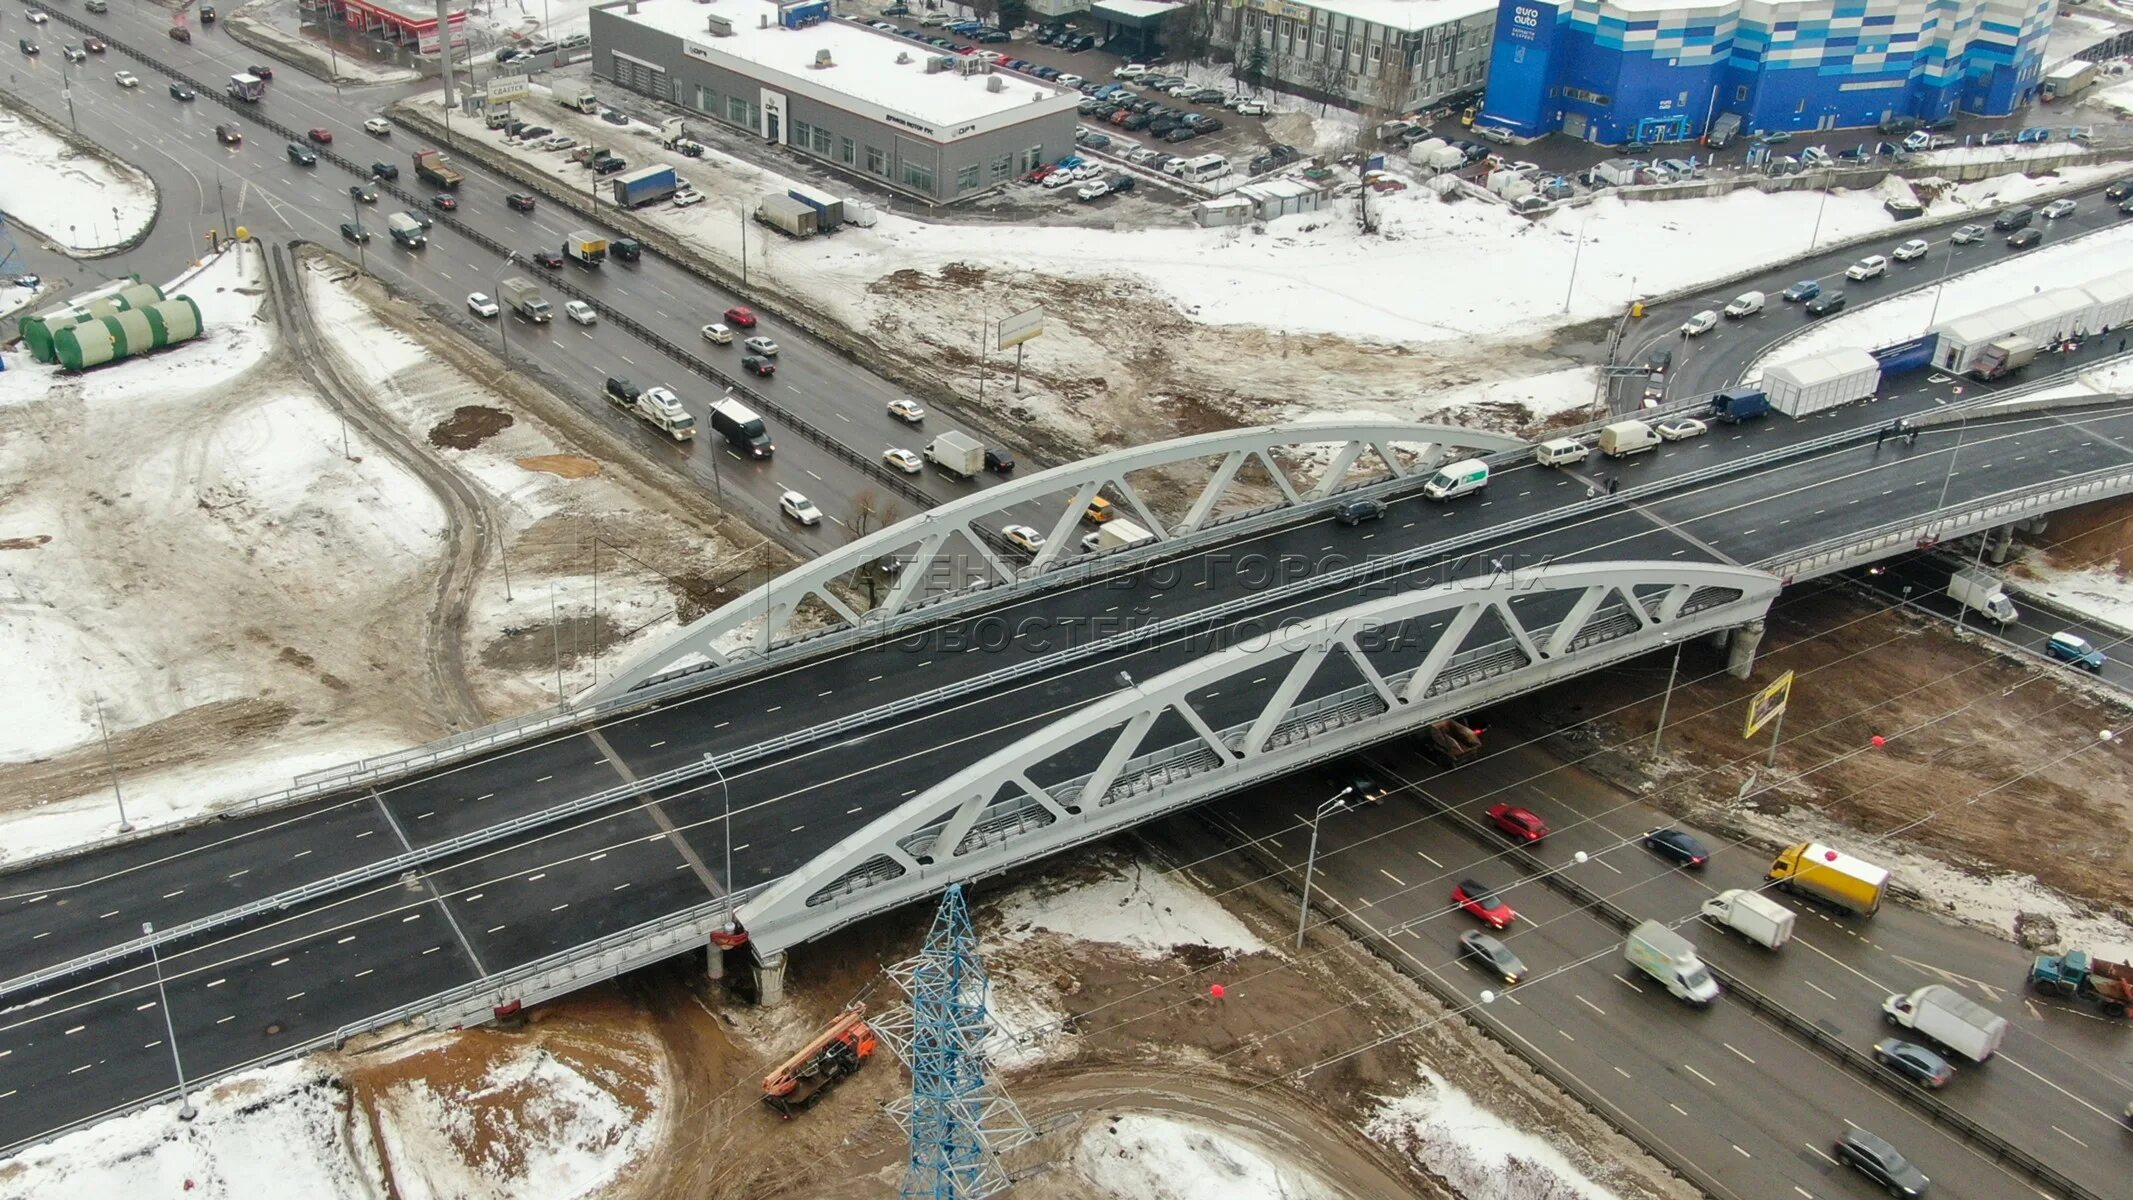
{"x": 1699, "y": 1074}
{"x": 1594, "y": 1007}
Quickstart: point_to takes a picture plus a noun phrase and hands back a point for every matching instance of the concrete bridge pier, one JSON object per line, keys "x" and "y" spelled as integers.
{"x": 714, "y": 959}
{"x": 1999, "y": 540}
{"x": 1719, "y": 638}
{"x": 770, "y": 979}
{"x": 1740, "y": 656}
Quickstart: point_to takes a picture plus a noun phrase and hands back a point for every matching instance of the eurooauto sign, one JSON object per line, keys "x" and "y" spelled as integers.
{"x": 1524, "y": 21}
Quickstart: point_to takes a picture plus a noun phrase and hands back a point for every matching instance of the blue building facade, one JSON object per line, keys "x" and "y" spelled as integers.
{"x": 1623, "y": 71}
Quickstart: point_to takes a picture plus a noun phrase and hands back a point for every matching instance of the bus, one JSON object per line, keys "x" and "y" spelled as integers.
{"x": 1203, "y": 168}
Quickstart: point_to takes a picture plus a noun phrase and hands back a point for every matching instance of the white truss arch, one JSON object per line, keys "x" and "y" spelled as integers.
{"x": 923, "y": 544}
{"x": 1541, "y": 626}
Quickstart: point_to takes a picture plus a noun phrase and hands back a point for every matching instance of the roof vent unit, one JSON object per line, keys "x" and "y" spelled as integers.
{"x": 996, "y": 84}
{"x": 718, "y": 26}
{"x": 972, "y": 66}
{"x": 763, "y": 22}
{"x": 902, "y": 57}
{"x": 823, "y": 61}
{"x": 937, "y": 63}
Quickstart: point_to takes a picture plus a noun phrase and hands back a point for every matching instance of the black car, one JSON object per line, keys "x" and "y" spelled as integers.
{"x": 519, "y": 201}
{"x": 994, "y": 37}
{"x": 1000, "y": 462}
{"x": 759, "y": 364}
{"x": 552, "y": 259}
{"x": 259, "y": 72}
{"x": 301, "y": 155}
{"x": 1825, "y": 304}
{"x": 1362, "y": 787}
{"x": 1914, "y": 1062}
{"x": 2119, "y": 190}
{"x": 1183, "y": 133}
{"x": 1357, "y": 511}
{"x": 608, "y": 166}
{"x": 354, "y": 232}
{"x": 1873, "y": 1157}
{"x": 1120, "y": 183}
{"x": 228, "y": 135}
{"x": 614, "y": 116}
{"x": 28, "y": 46}
{"x": 1205, "y": 124}
{"x": 445, "y": 203}
{"x": 179, "y": 91}
{"x": 1047, "y": 73}
{"x": 2023, "y": 239}
{"x": 1137, "y": 121}
{"x": 1678, "y": 847}
{"x": 384, "y": 170}
{"x": 1084, "y": 42}
{"x": 2126, "y": 209}
{"x": 363, "y": 194}
{"x": 621, "y": 389}
{"x": 1659, "y": 361}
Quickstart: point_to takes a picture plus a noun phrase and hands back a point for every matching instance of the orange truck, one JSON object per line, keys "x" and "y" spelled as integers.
{"x": 838, "y": 1051}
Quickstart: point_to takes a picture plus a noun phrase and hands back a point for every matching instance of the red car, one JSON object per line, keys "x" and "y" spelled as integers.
{"x": 1479, "y": 899}
{"x": 322, "y": 136}
{"x": 447, "y": 203}
{"x": 552, "y": 259}
{"x": 1038, "y": 175}
{"x": 741, "y": 315}
{"x": 1518, "y": 822}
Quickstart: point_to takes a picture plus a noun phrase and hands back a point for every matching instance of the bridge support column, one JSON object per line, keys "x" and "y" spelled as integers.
{"x": 714, "y": 959}
{"x": 1719, "y": 638}
{"x": 1998, "y": 541}
{"x": 1740, "y": 660}
{"x": 770, "y": 980}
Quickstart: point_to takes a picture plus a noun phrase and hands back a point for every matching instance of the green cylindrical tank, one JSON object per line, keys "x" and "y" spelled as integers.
{"x": 37, "y": 331}
{"x": 131, "y": 334}
{"x": 127, "y": 334}
{"x": 138, "y": 295}
{"x": 177, "y": 320}
{"x": 89, "y": 344}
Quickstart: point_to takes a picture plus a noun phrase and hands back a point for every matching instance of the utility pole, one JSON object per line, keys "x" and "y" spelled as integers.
{"x": 1668, "y": 700}
{"x": 555, "y": 644}
{"x": 222, "y": 203}
{"x": 186, "y": 1111}
{"x": 355, "y": 209}
{"x": 66, "y": 89}
{"x": 111, "y": 761}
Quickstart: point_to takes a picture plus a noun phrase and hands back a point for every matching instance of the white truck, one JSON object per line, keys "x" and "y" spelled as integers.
{"x": 957, "y": 454}
{"x": 1947, "y": 1017}
{"x": 1671, "y": 959}
{"x": 1980, "y": 592}
{"x": 1118, "y": 533}
{"x": 525, "y": 299}
{"x": 661, "y": 409}
{"x": 1752, "y": 915}
{"x": 2069, "y": 78}
{"x": 581, "y": 99}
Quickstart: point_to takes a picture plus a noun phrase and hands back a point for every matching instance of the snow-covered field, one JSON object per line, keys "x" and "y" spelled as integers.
{"x": 1474, "y": 1151}
{"x": 83, "y": 203}
{"x": 2102, "y": 594}
{"x": 1142, "y": 1156}
{"x": 2054, "y": 264}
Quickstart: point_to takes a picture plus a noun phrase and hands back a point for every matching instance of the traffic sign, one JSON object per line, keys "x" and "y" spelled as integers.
{"x": 1768, "y": 705}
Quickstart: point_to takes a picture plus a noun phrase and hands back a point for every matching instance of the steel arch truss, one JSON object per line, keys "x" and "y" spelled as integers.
{"x": 956, "y": 547}
{"x": 1317, "y": 689}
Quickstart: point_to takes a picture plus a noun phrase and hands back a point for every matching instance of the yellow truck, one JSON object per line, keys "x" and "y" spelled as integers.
{"x": 1819, "y": 872}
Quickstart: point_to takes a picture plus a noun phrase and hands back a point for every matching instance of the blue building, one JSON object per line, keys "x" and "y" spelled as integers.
{"x": 1620, "y": 71}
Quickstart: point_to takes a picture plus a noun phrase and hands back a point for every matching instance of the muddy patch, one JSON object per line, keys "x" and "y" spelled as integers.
{"x": 568, "y": 466}
{"x": 469, "y": 426}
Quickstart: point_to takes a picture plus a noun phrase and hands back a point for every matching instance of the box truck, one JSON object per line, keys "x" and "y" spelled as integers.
{"x": 580, "y": 98}
{"x": 1671, "y": 959}
{"x": 1752, "y": 915}
{"x": 1116, "y": 534}
{"x": 788, "y": 216}
{"x": 1945, "y": 1016}
{"x": 522, "y": 297}
{"x": 957, "y": 454}
{"x": 1979, "y": 592}
{"x": 1817, "y": 871}
{"x": 740, "y": 425}
{"x": 1624, "y": 438}
{"x": 2005, "y": 357}
{"x": 584, "y": 247}
{"x": 645, "y": 185}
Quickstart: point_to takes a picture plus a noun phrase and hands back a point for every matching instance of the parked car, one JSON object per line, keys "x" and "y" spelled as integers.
{"x": 481, "y": 305}
{"x": 799, "y": 508}
{"x": 1914, "y": 1062}
{"x": 1803, "y": 291}
{"x": 1998, "y": 137}
{"x": 1914, "y": 249}
{"x": 1678, "y": 847}
{"x": 1521, "y": 824}
{"x": 1493, "y": 955}
{"x": 1825, "y": 304}
{"x": 2068, "y": 648}
{"x": 1873, "y": 1157}
{"x": 1483, "y": 902}
{"x": 1094, "y": 190}
{"x": 741, "y": 316}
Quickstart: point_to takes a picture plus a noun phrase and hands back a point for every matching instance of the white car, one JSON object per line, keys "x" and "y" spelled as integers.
{"x": 1251, "y": 108}
{"x": 799, "y": 508}
{"x": 907, "y": 411}
{"x": 1915, "y": 248}
{"x": 1681, "y": 429}
{"x": 1027, "y": 539}
{"x": 556, "y": 141}
{"x": 1072, "y": 81}
{"x": 480, "y": 305}
{"x": 1060, "y": 178}
{"x": 760, "y": 345}
{"x": 379, "y": 126}
{"x": 718, "y": 334}
{"x": 2057, "y": 209}
{"x": 903, "y": 460}
{"x": 127, "y": 79}
{"x": 581, "y": 312}
{"x": 1092, "y": 191}
{"x": 36, "y": 18}
{"x": 1871, "y": 266}
{"x": 1130, "y": 71}
{"x": 685, "y": 199}
{"x": 1702, "y": 323}
{"x": 1088, "y": 171}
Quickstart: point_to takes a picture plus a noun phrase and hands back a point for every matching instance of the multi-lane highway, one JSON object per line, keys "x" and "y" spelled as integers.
{"x": 1749, "y": 1105}
{"x": 242, "y": 991}
{"x": 1922, "y": 582}
{"x": 258, "y": 187}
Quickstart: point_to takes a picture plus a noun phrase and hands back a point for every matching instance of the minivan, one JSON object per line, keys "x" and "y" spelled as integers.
{"x": 1457, "y": 479}
{"x": 1747, "y": 304}
{"x": 1560, "y": 452}
{"x": 2017, "y": 217}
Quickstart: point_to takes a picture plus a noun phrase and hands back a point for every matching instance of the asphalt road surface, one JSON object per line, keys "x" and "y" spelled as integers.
{"x": 1921, "y": 580}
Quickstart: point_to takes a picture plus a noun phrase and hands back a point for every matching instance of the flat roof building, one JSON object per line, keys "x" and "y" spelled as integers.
{"x": 1387, "y": 55}
{"x": 901, "y": 113}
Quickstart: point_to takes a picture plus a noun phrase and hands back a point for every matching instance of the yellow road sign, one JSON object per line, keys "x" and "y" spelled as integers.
{"x": 1768, "y": 704}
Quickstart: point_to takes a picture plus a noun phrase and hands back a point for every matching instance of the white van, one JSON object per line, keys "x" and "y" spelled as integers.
{"x": 1624, "y": 438}
{"x": 1702, "y": 323}
{"x": 1560, "y": 452}
{"x": 1457, "y": 479}
{"x": 1747, "y": 304}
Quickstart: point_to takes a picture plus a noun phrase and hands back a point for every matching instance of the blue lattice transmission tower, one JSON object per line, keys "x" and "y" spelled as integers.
{"x": 958, "y": 1119}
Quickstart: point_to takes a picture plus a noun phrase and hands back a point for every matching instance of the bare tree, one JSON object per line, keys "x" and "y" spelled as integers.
{"x": 1188, "y": 32}
{"x": 869, "y": 513}
{"x": 1327, "y": 76}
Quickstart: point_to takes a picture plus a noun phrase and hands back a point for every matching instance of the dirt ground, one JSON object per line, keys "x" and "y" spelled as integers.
{"x": 1990, "y": 762}
{"x": 2096, "y": 535}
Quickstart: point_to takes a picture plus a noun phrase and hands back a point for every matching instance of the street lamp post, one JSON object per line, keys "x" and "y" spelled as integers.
{"x": 1941, "y": 287}
{"x": 111, "y": 761}
{"x": 1668, "y": 700}
{"x": 1338, "y": 801}
{"x": 1816, "y": 236}
{"x": 186, "y": 1111}
{"x": 726, "y": 880}
{"x": 503, "y": 311}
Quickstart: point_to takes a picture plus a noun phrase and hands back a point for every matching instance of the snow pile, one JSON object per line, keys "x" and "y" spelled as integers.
{"x": 83, "y": 203}
{"x": 1139, "y": 1156}
{"x": 274, "y": 1132}
{"x": 2102, "y": 594}
{"x": 2062, "y": 264}
{"x": 1474, "y": 1151}
{"x": 1550, "y": 394}
{"x": 1146, "y": 910}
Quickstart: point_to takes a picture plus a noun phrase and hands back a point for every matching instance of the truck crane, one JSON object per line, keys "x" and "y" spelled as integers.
{"x": 839, "y": 1050}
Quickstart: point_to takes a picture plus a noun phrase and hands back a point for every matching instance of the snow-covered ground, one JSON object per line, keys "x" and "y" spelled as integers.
{"x": 1142, "y": 1156}
{"x": 1147, "y": 910}
{"x": 561, "y": 1131}
{"x": 1543, "y": 396}
{"x": 2103, "y": 594}
{"x": 1474, "y": 1151}
{"x": 2054, "y": 264}
{"x": 85, "y": 204}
